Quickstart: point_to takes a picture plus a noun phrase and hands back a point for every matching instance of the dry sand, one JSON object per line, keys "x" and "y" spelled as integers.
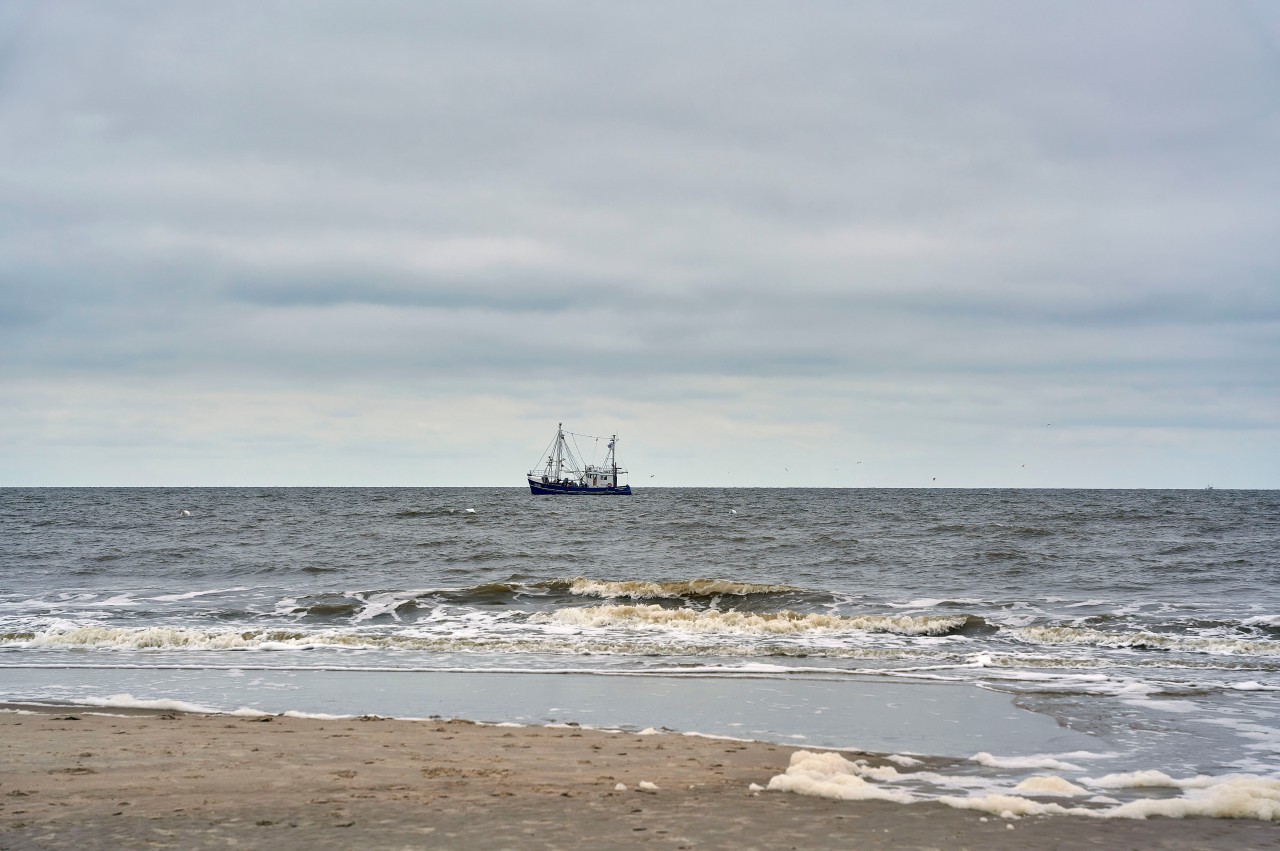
{"x": 82, "y": 780}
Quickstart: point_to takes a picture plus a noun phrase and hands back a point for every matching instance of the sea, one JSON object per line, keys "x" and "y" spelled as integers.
{"x": 1090, "y": 651}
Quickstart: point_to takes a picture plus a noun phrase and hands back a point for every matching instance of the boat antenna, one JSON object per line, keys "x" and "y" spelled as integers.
{"x": 559, "y": 441}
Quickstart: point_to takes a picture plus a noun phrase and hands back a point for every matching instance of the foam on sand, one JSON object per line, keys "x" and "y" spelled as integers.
{"x": 1048, "y": 762}
{"x": 829, "y": 775}
{"x": 1010, "y": 806}
{"x": 1050, "y": 784}
{"x": 1237, "y": 796}
{"x": 654, "y": 616}
{"x": 1147, "y": 779}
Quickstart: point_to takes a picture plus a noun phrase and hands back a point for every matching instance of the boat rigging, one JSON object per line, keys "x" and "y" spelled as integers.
{"x": 564, "y": 472}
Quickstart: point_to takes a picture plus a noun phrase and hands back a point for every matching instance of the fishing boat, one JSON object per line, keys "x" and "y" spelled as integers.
{"x": 565, "y": 471}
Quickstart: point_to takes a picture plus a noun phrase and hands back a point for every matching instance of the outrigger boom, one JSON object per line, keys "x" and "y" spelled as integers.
{"x": 564, "y": 472}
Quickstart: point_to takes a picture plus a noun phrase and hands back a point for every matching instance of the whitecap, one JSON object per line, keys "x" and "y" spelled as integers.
{"x": 653, "y": 616}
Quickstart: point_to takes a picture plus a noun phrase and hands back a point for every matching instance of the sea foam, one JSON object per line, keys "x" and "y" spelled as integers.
{"x": 1072, "y": 635}
{"x": 1050, "y": 784}
{"x": 830, "y": 775}
{"x": 1049, "y": 762}
{"x": 654, "y": 616}
{"x": 128, "y": 701}
{"x": 1236, "y": 796}
{"x": 670, "y": 590}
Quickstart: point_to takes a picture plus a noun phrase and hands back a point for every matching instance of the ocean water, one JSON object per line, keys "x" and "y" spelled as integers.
{"x": 1113, "y": 637}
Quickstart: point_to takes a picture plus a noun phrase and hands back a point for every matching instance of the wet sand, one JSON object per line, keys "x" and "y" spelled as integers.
{"x": 75, "y": 779}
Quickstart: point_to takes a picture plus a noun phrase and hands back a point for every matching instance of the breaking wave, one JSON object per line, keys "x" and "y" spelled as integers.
{"x": 509, "y": 591}
{"x": 692, "y": 588}
{"x": 1070, "y": 635}
{"x": 655, "y": 642}
{"x": 653, "y": 616}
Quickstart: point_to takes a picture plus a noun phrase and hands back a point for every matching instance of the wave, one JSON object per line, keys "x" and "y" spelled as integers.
{"x": 363, "y": 605}
{"x": 498, "y": 592}
{"x": 686, "y": 589}
{"x": 485, "y": 592}
{"x": 1145, "y": 641}
{"x": 665, "y": 644}
{"x": 156, "y": 638}
{"x": 330, "y": 610}
{"x": 654, "y": 616}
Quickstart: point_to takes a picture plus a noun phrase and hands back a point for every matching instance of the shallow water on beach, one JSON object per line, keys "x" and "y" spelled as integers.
{"x": 1145, "y": 625}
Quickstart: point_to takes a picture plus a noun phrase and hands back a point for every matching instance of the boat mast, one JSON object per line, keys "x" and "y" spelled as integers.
{"x": 559, "y": 440}
{"x": 613, "y": 458}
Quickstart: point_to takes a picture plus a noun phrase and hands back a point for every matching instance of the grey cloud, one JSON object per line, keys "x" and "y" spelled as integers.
{"x": 1075, "y": 199}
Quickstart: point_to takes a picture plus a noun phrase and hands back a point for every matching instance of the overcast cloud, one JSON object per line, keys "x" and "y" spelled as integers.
{"x": 874, "y": 243}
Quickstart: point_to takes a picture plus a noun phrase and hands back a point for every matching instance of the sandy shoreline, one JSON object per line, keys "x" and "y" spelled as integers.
{"x": 76, "y": 779}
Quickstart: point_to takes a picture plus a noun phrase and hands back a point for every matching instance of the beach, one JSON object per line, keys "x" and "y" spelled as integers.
{"x": 76, "y": 779}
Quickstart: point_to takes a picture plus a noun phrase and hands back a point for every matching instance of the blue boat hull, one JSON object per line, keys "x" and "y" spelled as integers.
{"x": 537, "y": 487}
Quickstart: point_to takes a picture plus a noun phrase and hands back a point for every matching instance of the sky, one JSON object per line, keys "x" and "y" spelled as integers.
{"x": 828, "y": 244}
